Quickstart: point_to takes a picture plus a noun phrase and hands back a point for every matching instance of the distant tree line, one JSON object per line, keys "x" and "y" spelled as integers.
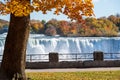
{"x": 103, "y": 26}
{"x": 3, "y": 26}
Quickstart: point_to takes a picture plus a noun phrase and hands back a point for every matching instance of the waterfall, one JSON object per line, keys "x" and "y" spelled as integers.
{"x": 40, "y": 44}
{"x": 46, "y": 44}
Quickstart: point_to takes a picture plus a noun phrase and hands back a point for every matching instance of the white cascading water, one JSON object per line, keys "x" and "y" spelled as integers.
{"x": 40, "y": 44}
{"x": 45, "y": 44}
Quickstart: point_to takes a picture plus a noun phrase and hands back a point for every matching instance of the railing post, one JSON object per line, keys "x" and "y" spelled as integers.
{"x": 30, "y": 58}
{"x": 0, "y": 58}
{"x": 76, "y": 57}
{"x": 53, "y": 57}
{"x": 98, "y": 56}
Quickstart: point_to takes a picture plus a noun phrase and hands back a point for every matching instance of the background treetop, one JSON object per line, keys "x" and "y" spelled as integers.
{"x": 74, "y": 9}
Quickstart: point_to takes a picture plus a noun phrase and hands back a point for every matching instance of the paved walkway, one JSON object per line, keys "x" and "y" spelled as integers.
{"x": 74, "y": 69}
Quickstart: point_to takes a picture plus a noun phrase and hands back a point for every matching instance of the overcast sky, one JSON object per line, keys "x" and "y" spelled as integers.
{"x": 101, "y": 8}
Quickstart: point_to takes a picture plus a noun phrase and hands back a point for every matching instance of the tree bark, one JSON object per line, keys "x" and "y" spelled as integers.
{"x": 14, "y": 57}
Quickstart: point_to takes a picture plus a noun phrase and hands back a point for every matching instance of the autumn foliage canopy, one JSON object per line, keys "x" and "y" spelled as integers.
{"x": 74, "y": 9}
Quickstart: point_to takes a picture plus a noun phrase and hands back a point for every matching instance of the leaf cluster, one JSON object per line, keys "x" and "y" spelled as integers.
{"x": 74, "y": 9}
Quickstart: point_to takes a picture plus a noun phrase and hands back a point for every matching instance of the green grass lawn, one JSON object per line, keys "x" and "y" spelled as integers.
{"x": 100, "y": 75}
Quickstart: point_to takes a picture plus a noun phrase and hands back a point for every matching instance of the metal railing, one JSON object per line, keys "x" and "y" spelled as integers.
{"x": 111, "y": 56}
{"x": 37, "y": 57}
{"x": 69, "y": 57}
{"x": 75, "y": 57}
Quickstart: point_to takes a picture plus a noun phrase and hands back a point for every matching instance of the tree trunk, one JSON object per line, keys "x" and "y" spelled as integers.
{"x": 14, "y": 57}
